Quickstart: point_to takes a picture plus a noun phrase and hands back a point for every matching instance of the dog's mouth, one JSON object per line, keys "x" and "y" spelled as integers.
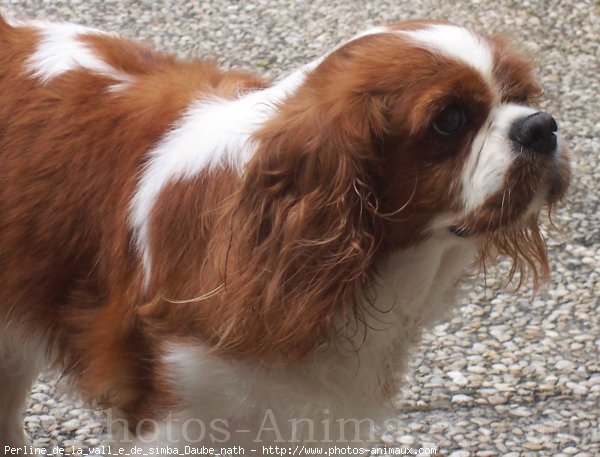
{"x": 512, "y": 229}
{"x": 494, "y": 218}
{"x": 499, "y": 213}
{"x": 509, "y": 212}
{"x": 535, "y": 186}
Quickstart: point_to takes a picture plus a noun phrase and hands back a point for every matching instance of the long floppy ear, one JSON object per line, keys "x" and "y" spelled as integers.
{"x": 304, "y": 231}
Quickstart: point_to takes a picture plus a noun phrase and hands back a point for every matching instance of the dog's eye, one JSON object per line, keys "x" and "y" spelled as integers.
{"x": 450, "y": 121}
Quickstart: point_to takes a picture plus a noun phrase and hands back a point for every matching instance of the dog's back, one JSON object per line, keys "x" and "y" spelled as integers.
{"x": 79, "y": 111}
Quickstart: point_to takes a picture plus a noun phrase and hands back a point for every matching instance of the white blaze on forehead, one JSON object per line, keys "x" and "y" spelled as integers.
{"x": 210, "y": 134}
{"x": 491, "y": 156}
{"x": 61, "y": 50}
{"x": 458, "y": 43}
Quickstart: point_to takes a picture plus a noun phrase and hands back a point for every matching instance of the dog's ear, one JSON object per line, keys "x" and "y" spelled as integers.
{"x": 304, "y": 230}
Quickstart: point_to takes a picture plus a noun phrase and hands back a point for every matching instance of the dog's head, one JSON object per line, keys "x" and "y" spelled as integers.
{"x": 406, "y": 132}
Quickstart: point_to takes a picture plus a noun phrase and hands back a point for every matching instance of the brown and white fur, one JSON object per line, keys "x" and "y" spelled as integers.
{"x": 192, "y": 244}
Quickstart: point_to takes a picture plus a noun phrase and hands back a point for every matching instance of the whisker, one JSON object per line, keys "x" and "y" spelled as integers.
{"x": 203, "y": 297}
{"x": 502, "y": 205}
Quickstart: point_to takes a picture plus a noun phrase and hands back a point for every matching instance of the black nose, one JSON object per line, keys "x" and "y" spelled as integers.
{"x": 535, "y": 133}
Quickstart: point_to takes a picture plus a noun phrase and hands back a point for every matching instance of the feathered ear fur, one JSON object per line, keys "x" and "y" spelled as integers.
{"x": 304, "y": 230}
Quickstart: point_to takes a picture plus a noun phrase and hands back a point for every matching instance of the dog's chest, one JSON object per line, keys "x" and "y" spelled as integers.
{"x": 349, "y": 379}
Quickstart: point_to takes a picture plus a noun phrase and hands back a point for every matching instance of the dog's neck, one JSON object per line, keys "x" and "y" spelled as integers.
{"x": 414, "y": 288}
{"x": 213, "y": 132}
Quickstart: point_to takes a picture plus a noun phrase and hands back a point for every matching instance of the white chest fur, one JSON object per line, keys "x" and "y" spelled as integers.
{"x": 335, "y": 394}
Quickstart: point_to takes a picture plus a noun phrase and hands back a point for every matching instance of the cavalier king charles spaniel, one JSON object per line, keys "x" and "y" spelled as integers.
{"x": 222, "y": 261}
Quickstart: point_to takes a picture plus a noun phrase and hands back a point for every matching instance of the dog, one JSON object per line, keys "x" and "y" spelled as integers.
{"x": 217, "y": 259}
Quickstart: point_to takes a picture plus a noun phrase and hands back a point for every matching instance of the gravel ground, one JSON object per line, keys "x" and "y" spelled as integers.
{"x": 510, "y": 375}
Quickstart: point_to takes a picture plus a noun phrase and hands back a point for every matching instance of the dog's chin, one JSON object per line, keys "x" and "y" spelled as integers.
{"x": 517, "y": 236}
{"x": 496, "y": 219}
{"x": 490, "y": 221}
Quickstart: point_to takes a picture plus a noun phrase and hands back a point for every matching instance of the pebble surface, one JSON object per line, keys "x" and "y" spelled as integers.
{"x": 509, "y": 375}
